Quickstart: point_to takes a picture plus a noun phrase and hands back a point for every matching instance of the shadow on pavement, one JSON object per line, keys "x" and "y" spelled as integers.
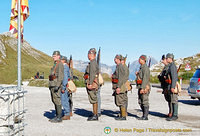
{"x": 109, "y": 113}
{"x": 50, "y": 114}
{"x": 157, "y": 114}
{"x": 190, "y": 102}
{"x": 82, "y": 112}
{"x": 132, "y": 115}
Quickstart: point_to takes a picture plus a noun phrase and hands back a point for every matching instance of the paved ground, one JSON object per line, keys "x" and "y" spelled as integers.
{"x": 40, "y": 109}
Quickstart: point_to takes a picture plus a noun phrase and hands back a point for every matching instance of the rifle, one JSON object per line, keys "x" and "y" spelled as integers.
{"x": 149, "y": 65}
{"x": 98, "y": 57}
{"x": 71, "y": 67}
{"x": 128, "y": 68}
{"x": 128, "y": 65}
{"x": 98, "y": 61}
{"x": 179, "y": 68}
{"x": 70, "y": 62}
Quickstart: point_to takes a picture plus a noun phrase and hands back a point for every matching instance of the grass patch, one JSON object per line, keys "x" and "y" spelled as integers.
{"x": 186, "y": 76}
{"x": 29, "y": 64}
{"x": 79, "y": 83}
{"x": 154, "y": 79}
{"x": 39, "y": 82}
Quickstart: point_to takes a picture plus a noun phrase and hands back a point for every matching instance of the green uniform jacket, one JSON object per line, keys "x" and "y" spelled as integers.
{"x": 93, "y": 70}
{"x": 144, "y": 75}
{"x": 126, "y": 72}
{"x": 172, "y": 71}
{"x": 59, "y": 73}
{"x": 120, "y": 75}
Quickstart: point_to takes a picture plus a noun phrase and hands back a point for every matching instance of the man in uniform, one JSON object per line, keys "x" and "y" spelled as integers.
{"x": 143, "y": 85}
{"x": 55, "y": 85}
{"x": 162, "y": 78}
{"x": 91, "y": 77}
{"x": 119, "y": 87}
{"x": 126, "y": 77}
{"x": 64, "y": 92}
{"x": 172, "y": 79}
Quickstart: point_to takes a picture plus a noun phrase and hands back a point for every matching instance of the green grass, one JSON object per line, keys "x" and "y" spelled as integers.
{"x": 154, "y": 79}
{"x": 186, "y": 76}
{"x": 39, "y": 82}
{"x": 29, "y": 65}
{"x": 79, "y": 83}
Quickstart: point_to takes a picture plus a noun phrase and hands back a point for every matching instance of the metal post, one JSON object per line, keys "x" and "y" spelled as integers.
{"x": 19, "y": 47}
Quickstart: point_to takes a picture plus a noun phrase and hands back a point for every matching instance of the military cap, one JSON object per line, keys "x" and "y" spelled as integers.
{"x": 63, "y": 58}
{"x": 170, "y": 55}
{"x": 163, "y": 57}
{"x": 119, "y": 57}
{"x": 92, "y": 51}
{"x": 143, "y": 57}
{"x": 56, "y": 53}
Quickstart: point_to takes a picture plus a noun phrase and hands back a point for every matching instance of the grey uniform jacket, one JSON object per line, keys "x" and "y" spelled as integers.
{"x": 59, "y": 73}
{"x": 126, "y": 72}
{"x": 144, "y": 75}
{"x": 120, "y": 75}
{"x": 93, "y": 70}
{"x": 172, "y": 71}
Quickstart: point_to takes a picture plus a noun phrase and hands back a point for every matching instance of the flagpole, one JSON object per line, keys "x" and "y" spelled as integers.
{"x": 19, "y": 47}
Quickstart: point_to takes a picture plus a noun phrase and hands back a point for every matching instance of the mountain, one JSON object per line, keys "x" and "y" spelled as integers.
{"x": 81, "y": 66}
{"x": 193, "y": 61}
{"x": 32, "y": 60}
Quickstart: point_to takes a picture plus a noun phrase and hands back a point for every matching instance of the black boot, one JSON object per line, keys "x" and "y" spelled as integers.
{"x": 141, "y": 118}
{"x": 53, "y": 119}
{"x": 99, "y": 114}
{"x": 145, "y": 113}
{"x": 93, "y": 118}
{"x": 95, "y": 115}
{"x": 58, "y": 118}
{"x": 175, "y": 112}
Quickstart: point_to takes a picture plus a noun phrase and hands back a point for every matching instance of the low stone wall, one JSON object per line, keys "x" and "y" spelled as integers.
{"x": 11, "y": 111}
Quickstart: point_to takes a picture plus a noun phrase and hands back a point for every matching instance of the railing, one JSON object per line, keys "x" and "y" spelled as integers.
{"x": 12, "y": 111}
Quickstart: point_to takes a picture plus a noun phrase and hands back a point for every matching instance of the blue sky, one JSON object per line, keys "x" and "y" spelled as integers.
{"x": 133, "y": 27}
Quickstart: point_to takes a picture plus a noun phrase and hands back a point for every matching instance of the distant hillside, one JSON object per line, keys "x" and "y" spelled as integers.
{"x": 32, "y": 60}
{"x": 81, "y": 66}
{"x": 193, "y": 61}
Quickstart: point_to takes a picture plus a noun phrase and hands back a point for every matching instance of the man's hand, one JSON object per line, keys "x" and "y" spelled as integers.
{"x": 136, "y": 73}
{"x": 142, "y": 91}
{"x": 118, "y": 90}
{"x": 90, "y": 87}
{"x": 145, "y": 91}
{"x": 63, "y": 91}
{"x": 172, "y": 90}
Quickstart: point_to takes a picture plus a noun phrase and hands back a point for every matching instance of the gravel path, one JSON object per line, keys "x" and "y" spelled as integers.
{"x": 40, "y": 109}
